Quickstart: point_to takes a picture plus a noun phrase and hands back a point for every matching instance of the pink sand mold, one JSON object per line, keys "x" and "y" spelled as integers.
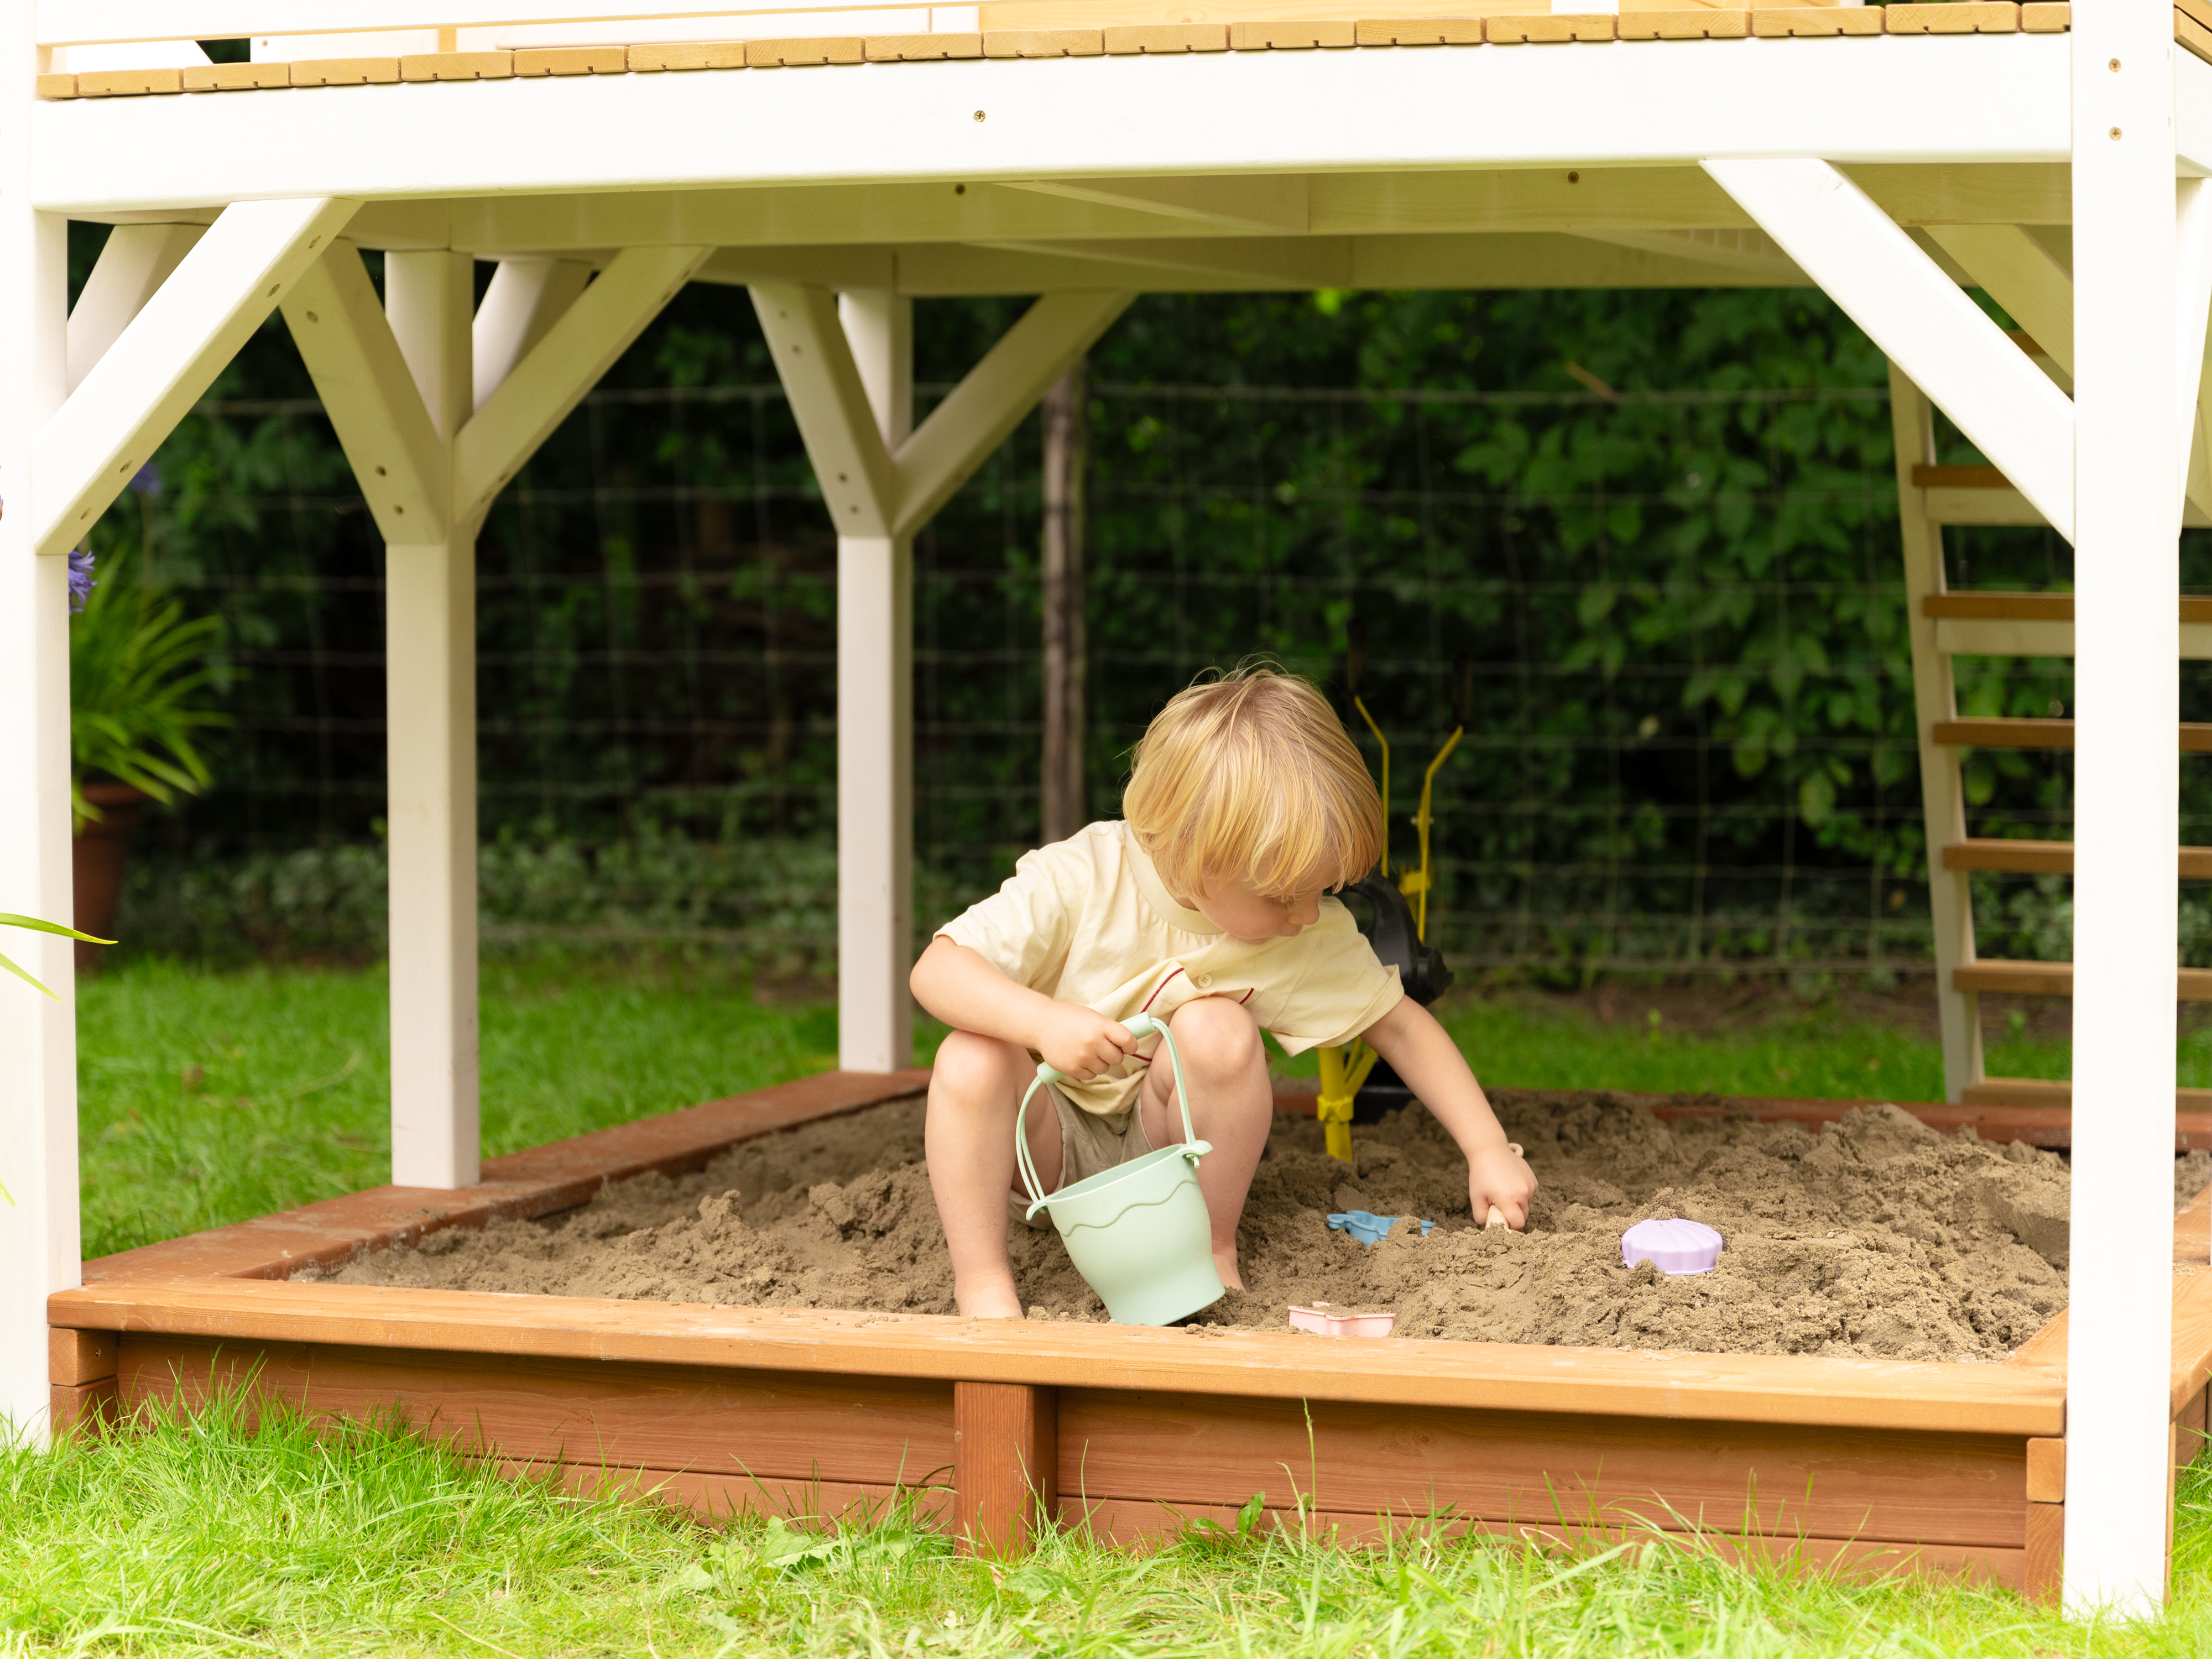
{"x": 1324, "y": 1320}
{"x": 1672, "y": 1247}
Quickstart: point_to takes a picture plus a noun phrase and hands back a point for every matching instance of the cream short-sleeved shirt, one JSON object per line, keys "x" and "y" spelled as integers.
{"x": 1086, "y": 920}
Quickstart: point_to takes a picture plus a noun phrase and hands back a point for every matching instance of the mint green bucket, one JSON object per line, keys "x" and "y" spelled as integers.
{"x": 1139, "y": 1234}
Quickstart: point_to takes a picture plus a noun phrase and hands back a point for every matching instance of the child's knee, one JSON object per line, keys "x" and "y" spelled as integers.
{"x": 969, "y": 1066}
{"x": 1218, "y": 1034}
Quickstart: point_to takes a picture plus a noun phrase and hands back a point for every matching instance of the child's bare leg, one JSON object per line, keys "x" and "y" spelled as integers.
{"x": 1233, "y": 1104}
{"x": 974, "y": 1091}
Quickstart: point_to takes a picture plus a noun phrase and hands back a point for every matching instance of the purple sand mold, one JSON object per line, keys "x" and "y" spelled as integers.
{"x": 1672, "y": 1247}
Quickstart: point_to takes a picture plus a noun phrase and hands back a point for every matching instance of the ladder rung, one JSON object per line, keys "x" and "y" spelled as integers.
{"x": 2196, "y": 737}
{"x": 2030, "y": 607}
{"x": 2043, "y": 1091}
{"x": 2055, "y": 979}
{"x": 1958, "y": 478}
{"x": 2047, "y": 858}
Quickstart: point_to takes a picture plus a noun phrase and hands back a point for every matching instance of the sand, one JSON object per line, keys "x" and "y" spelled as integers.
{"x": 1878, "y": 1238}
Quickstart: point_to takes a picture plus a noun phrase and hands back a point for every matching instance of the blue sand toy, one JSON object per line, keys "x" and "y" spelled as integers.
{"x": 1370, "y": 1229}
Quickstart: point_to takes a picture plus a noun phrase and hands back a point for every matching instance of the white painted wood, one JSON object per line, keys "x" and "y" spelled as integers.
{"x": 2192, "y": 115}
{"x": 2021, "y": 275}
{"x": 1975, "y": 637}
{"x": 146, "y": 54}
{"x": 430, "y": 707}
{"x": 169, "y": 355}
{"x": 1985, "y": 97}
{"x": 62, "y": 22}
{"x": 782, "y": 23}
{"x": 1943, "y": 801}
{"x": 2192, "y": 238}
{"x": 38, "y": 1042}
{"x": 369, "y": 392}
{"x": 526, "y": 297}
{"x": 1753, "y": 252}
{"x": 2126, "y": 808}
{"x": 362, "y": 43}
{"x": 552, "y": 379}
{"x": 875, "y": 721}
{"x": 1947, "y": 345}
{"x": 993, "y": 399}
{"x": 1261, "y": 202}
{"x": 136, "y": 260}
{"x": 829, "y": 402}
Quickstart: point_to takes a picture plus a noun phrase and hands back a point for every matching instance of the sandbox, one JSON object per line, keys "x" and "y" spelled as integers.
{"x": 1826, "y": 1457}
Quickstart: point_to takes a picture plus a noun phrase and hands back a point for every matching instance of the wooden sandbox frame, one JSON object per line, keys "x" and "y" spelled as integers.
{"x": 1865, "y": 1467}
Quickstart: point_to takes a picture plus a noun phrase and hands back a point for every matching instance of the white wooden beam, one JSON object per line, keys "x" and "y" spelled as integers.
{"x": 2018, "y": 273}
{"x": 38, "y": 1230}
{"x": 1257, "y": 202}
{"x": 135, "y": 261}
{"x": 2192, "y": 235}
{"x": 1751, "y": 253}
{"x": 526, "y": 297}
{"x": 831, "y": 403}
{"x": 170, "y": 354}
{"x": 370, "y": 395}
{"x": 992, "y": 399}
{"x": 2127, "y": 818}
{"x": 1945, "y": 343}
{"x": 1305, "y": 262}
{"x": 568, "y": 363}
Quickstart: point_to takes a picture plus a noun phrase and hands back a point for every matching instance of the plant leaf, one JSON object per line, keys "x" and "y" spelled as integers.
{"x": 27, "y": 980}
{"x": 38, "y": 927}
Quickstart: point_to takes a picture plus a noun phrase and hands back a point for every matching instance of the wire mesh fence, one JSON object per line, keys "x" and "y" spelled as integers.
{"x": 1691, "y": 745}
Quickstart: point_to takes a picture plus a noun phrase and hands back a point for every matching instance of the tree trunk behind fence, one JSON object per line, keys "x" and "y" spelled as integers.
{"x": 1067, "y": 458}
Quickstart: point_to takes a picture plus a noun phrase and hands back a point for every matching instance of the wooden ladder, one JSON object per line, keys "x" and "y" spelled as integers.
{"x": 1943, "y": 625}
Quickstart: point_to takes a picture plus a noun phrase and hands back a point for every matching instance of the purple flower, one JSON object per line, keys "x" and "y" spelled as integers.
{"x": 79, "y": 579}
{"x": 146, "y": 480}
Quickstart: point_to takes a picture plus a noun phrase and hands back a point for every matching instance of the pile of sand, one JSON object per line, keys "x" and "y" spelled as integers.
{"x": 1879, "y": 1237}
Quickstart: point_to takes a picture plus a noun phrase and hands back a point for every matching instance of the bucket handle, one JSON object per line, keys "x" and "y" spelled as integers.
{"x": 1142, "y": 1026}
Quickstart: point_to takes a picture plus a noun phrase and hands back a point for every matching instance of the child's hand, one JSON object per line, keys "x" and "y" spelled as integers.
{"x": 1082, "y": 1042}
{"x": 1499, "y": 1175}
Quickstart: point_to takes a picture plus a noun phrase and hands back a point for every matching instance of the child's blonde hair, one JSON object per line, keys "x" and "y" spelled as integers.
{"x": 1250, "y": 776}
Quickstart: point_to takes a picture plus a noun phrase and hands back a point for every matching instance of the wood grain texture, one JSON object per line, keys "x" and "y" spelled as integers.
{"x": 2193, "y": 737}
{"x": 345, "y": 71}
{"x": 2046, "y": 1553}
{"x": 1544, "y": 1469}
{"x": 1145, "y": 39}
{"x": 2031, "y": 607}
{"x": 543, "y": 1179}
{"x": 128, "y": 83}
{"x": 745, "y": 1425}
{"x": 1419, "y": 32}
{"x": 530, "y": 61}
{"x": 236, "y": 77}
{"x": 2055, "y": 979}
{"x": 1133, "y": 1525}
{"x": 1814, "y": 22}
{"x": 1330, "y": 32}
{"x": 725, "y": 1497}
{"x": 808, "y": 51}
{"x": 1044, "y": 43}
{"x": 2047, "y": 1471}
{"x": 457, "y": 66}
{"x": 687, "y": 55}
{"x": 1557, "y": 30}
{"x": 86, "y": 1408}
{"x": 2030, "y": 1101}
{"x": 2046, "y": 16}
{"x": 75, "y": 1358}
{"x": 1954, "y": 17}
{"x": 1004, "y": 1464}
{"x": 2192, "y": 35}
{"x": 1695, "y": 24}
{"x": 1844, "y": 1393}
{"x": 923, "y": 48}
{"x": 2189, "y": 1432}
{"x": 2192, "y": 1334}
{"x": 2192, "y": 1231}
{"x": 55, "y": 86}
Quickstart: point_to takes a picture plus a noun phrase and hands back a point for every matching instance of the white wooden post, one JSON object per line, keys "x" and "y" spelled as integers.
{"x": 2126, "y": 649}
{"x": 430, "y": 703}
{"x": 38, "y": 1035}
{"x": 875, "y": 725}
{"x": 1942, "y": 802}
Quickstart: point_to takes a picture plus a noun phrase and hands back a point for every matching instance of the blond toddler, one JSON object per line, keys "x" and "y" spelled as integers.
{"x": 1207, "y": 906}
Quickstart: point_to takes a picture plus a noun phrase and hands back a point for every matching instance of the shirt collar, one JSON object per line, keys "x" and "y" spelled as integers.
{"x": 1155, "y": 891}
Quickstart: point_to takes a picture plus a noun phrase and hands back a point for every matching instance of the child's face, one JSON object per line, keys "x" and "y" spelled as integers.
{"x": 1242, "y": 912}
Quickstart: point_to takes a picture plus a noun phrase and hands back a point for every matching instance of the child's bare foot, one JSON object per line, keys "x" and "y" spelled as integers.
{"x": 1225, "y": 1263}
{"x": 993, "y": 1299}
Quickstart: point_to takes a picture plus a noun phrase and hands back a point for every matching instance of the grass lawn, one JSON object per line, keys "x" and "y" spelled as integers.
{"x": 209, "y": 1098}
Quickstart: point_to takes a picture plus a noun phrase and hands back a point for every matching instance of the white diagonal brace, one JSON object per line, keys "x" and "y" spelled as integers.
{"x": 992, "y": 400}
{"x": 135, "y": 261}
{"x": 526, "y": 297}
{"x": 170, "y": 354}
{"x": 1949, "y": 346}
{"x": 2018, "y": 272}
{"x": 815, "y": 361}
{"x": 552, "y": 379}
{"x": 397, "y": 458}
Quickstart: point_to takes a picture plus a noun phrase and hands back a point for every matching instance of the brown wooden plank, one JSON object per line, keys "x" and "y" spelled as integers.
{"x": 1543, "y": 1469}
{"x": 1540, "y": 30}
{"x": 1005, "y": 1459}
{"x": 129, "y": 82}
{"x": 2047, "y": 1471}
{"x": 85, "y": 1408}
{"x": 2192, "y": 1231}
{"x": 533, "y": 61}
{"x": 345, "y": 71}
{"x": 1954, "y": 17}
{"x": 1043, "y": 42}
{"x": 236, "y": 77}
{"x": 2193, "y": 736}
{"x": 2189, "y": 1432}
{"x": 457, "y": 66}
{"x": 924, "y": 48}
{"x": 2046, "y": 1552}
{"x": 75, "y": 1358}
{"x": 2049, "y": 858}
{"x": 2192, "y": 35}
{"x": 653, "y": 59}
{"x": 2055, "y": 979}
{"x": 56, "y": 86}
{"x": 1138, "y": 1525}
{"x": 1420, "y": 31}
{"x": 542, "y": 1179}
{"x": 2192, "y": 1336}
{"x": 1694, "y": 23}
{"x": 1148, "y": 40}
{"x": 1806, "y": 22}
{"x": 1329, "y": 32}
{"x": 1958, "y": 478}
{"x": 2031, "y": 607}
{"x": 724, "y": 1496}
{"x": 764, "y": 1425}
{"x": 808, "y": 51}
{"x": 2046, "y": 16}
{"x": 1840, "y": 1392}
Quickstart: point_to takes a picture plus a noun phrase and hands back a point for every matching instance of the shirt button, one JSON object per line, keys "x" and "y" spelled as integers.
{"x": 1205, "y": 980}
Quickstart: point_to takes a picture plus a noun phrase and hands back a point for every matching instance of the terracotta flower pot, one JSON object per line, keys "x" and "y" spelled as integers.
{"x": 97, "y": 858}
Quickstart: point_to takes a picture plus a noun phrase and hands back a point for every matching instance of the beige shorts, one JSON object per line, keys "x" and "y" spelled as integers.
{"x": 1089, "y": 1145}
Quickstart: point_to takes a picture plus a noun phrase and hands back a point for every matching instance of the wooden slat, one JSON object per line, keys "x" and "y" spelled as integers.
{"x": 1006, "y": 1460}
{"x": 56, "y": 86}
{"x": 1954, "y": 17}
{"x": 1958, "y": 478}
{"x": 2194, "y": 737}
{"x": 1044, "y": 43}
{"x": 2046, "y": 17}
{"x": 345, "y": 71}
{"x": 237, "y": 77}
{"x": 128, "y": 83}
{"x": 1293, "y": 36}
{"x": 1695, "y": 24}
{"x": 810, "y": 52}
{"x": 2189, "y": 1432}
{"x": 2046, "y": 1553}
{"x": 1121, "y": 1522}
{"x": 86, "y": 1408}
{"x": 1815, "y": 22}
{"x": 457, "y": 66}
{"x": 1420, "y": 31}
{"x": 2048, "y": 858}
{"x": 76, "y": 1358}
{"x": 2192, "y": 1230}
{"x": 1542, "y": 1469}
{"x": 2192, "y": 1334}
{"x": 2033, "y": 607}
{"x": 1149, "y": 40}
{"x": 2055, "y": 979}
{"x": 2039, "y": 1111}
{"x": 924, "y": 48}
{"x": 537, "y": 1182}
{"x": 1832, "y": 1391}
{"x": 652, "y": 59}
{"x": 1564, "y": 27}
{"x": 533, "y": 61}
{"x": 724, "y": 1496}
{"x": 2192, "y": 35}
{"x": 774, "y": 1426}
{"x": 2047, "y": 1471}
